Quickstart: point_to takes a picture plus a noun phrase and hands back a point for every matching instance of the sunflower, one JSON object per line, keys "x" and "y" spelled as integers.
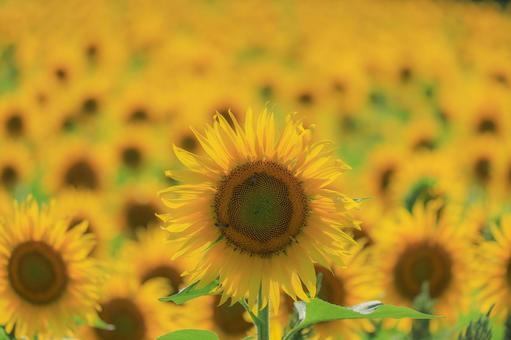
{"x": 345, "y": 287}
{"x": 487, "y": 112}
{"x": 134, "y": 148}
{"x": 494, "y": 274}
{"x": 138, "y": 207}
{"x": 259, "y": 209}
{"x": 79, "y": 206}
{"x": 483, "y": 163}
{"x": 427, "y": 177}
{"x": 155, "y": 262}
{"x": 15, "y": 165}
{"x": 75, "y": 163}
{"x": 229, "y": 322}
{"x": 421, "y": 247}
{"x": 381, "y": 173}
{"x": 46, "y": 278}
{"x": 63, "y": 65}
{"x": 134, "y": 310}
{"x": 137, "y": 104}
{"x": 16, "y": 118}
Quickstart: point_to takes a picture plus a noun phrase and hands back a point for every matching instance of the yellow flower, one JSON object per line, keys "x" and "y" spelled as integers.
{"x": 345, "y": 287}
{"x": 259, "y": 208}
{"x": 136, "y": 207}
{"x": 134, "y": 310}
{"x": 16, "y": 118}
{"x": 424, "y": 246}
{"x": 494, "y": 275}
{"x": 382, "y": 172}
{"x": 229, "y": 322}
{"x": 79, "y": 206}
{"x": 155, "y": 262}
{"x": 76, "y": 163}
{"x": 16, "y": 165}
{"x": 46, "y": 276}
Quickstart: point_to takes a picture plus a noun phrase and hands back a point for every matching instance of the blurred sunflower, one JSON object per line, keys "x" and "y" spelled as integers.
{"x": 482, "y": 164}
{"x": 494, "y": 274}
{"x": 84, "y": 206}
{"x": 16, "y": 118}
{"x": 16, "y": 165}
{"x": 75, "y": 163}
{"x": 134, "y": 310}
{"x": 347, "y": 286}
{"x": 259, "y": 205}
{"x": 381, "y": 173}
{"x": 421, "y": 247}
{"x": 156, "y": 262}
{"x": 229, "y": 322}
{"x": 137, "y": 207}
{"x": 134, "y": 148}
{"x": 47, "y": 279}
{"x": 63, "y": 65}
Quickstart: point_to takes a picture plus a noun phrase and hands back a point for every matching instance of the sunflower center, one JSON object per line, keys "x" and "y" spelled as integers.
{"x": 487, "y": 125}
{"x": 139, "y": 214}
{"x": 260, "y": 207}
{"x": 138, "y": 115}
{"x": 420, "y": 263}
{"x": 61, "y": 74}
{"x": 37, "y": 272}
{"x": 131, "y": 157}
{"x": 127, "y": 318}
{"x": 9, "y": 176}
{"x": 482, "y": 170}
{"x": 90, "y": 106}
{"x": 424, "y": 144}
{"x": 332, "y": 287}
{"x": 167, "y": 272}
{"x": 81, "y": 175}
{"x": 386, "y": 178}
{"x": 189, "y": 143}
{"x": 230, "y": 318}
{"x": 14, "y": 125}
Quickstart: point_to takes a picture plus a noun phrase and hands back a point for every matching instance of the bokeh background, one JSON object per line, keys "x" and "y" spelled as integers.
{"x": 415, "y": 96}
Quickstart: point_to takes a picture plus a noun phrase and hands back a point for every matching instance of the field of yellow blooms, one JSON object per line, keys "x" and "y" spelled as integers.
{"x": 219, "y": 169}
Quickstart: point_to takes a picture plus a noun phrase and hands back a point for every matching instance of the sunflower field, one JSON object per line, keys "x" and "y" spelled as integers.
{"x": 218, "y": 169}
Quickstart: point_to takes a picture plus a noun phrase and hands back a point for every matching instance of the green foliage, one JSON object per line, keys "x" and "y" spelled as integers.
{"x": 4, "y": 335}
{"x": 320, "y": 311}
{"x": 478, "y": 330}
{"x": 9, "y": 73}
{"x": 190, "y": 292}
{"x": 189, "y": 334}
{"x": 424, "y": 304}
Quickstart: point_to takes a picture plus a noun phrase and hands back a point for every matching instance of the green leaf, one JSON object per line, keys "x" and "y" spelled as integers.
{"x": 190, "y": 292}
{"x": 189, "y": 334}
{"x": 320, "y": 311}
{"x": 3, "y": 334}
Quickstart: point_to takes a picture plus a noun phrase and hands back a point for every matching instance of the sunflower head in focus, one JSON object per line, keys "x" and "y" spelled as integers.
{"x": 259, "y": 208}
{"x": 47, "y": 279}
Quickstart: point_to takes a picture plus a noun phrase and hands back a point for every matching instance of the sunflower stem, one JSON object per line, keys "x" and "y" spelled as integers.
{"x": 254, "y": 317}
{"x": 263, "y": 326}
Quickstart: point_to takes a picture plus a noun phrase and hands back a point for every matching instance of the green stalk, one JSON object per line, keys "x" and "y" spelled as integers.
{"x": 263, "y": 326}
